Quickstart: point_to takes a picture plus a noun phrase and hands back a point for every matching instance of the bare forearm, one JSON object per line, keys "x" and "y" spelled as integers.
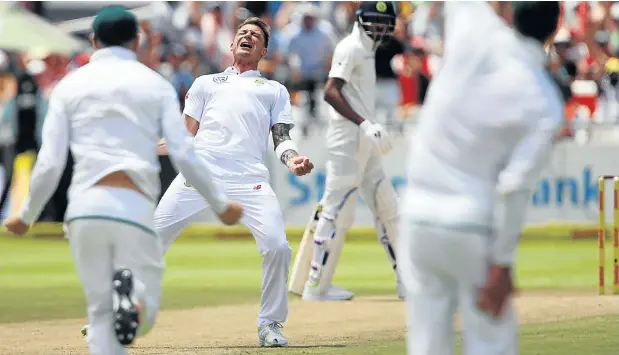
{"x": 336, "y": 100}
{"x": 192, "y": 125}
{"x": 281, "y": 138}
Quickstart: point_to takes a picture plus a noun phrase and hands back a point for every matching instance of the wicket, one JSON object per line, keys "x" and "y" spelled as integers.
{"x": 602, "y": 233}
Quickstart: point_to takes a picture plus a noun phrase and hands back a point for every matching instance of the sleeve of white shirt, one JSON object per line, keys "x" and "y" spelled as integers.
{"x": 516, "y": 185}
{"x": 51, "y": 159}
{"x": 195, "y": 99}
{"x": 281, "y": 112}
{"x": 180, "y": 149}
{"x": 343, "y": 62}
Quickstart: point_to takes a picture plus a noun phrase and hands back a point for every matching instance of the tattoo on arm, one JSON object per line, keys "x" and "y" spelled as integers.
{"x": 281, "y": 133}
{"x": 287, "y": 155}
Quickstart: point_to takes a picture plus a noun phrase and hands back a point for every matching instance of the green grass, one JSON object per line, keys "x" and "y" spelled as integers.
{"x": 588, "y": 336}
{"x": 38, "y": 279}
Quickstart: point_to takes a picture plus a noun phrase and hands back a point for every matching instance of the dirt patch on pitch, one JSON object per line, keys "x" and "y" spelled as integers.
{"x": 231, "y": 329}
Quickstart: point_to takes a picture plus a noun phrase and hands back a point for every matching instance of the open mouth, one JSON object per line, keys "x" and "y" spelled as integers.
{"x": 246, "y": 45}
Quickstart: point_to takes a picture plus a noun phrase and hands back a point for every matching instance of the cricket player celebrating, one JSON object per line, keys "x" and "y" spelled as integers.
{"x": 485, "y": 132}
{"x": 111, "y": 114}
{"x": 231, "y": 115}
{"x": 355, "y": 144}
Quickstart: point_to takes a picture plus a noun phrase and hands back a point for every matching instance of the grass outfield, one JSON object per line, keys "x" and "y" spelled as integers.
{"x": 38, "y": 282}
{"x": 590, "y": 336}
{"x": 38, "y": 279}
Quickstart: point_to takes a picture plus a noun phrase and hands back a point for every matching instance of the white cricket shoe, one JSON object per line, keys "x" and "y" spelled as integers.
{"x": 271, "y": 336}
{"x": 311, "y": 292}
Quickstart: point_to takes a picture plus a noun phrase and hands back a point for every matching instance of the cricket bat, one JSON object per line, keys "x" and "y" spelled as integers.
{"x": 303, "y": 259}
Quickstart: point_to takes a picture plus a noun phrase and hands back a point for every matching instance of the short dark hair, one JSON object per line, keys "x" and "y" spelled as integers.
{"x": 256, "y": 21}
{"x": 536, "y": 19}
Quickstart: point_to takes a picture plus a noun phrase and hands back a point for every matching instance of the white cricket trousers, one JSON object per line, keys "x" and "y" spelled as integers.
{"x": 353, "y": 165}
{"x": 443, "y": 268}
{"x": 182, "y": 205}
{"x": 108, "y": 229}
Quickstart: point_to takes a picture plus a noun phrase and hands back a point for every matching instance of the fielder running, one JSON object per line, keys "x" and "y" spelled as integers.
{"x": 111, "y": 114}
{"x": 485, "y": 132}
{"x": 355, "y": 144}
{"x": 231, "y": 115}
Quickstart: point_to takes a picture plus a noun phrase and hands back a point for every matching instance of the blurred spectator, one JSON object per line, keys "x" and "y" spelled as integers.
{"x": 607, "y": 110}
{"x": 247, "y": 9}
{"x": 563, "y": 60}
{"x": 343, "y": 16}
{"x": 427, "y": 23}
{"x": 26, "y": 99}
{"x": 177, "y": 72}
{"x": 413, "y": 82}
{"x": 387, "y": 85}
{"x": 307, "y": 48}
{"x": 217, "y": 39}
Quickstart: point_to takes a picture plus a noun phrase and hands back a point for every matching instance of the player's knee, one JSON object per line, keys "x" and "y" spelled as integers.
{"x": 346, "y": 218}
{"x": 279, "y": 249}
{"x": 381, "y": 198}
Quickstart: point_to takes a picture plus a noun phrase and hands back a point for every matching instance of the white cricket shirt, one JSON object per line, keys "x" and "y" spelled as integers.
{"x": 487, "y": 124}
{"x": 111, "y": 113}
{"x": 353, "y": 62}
{"x": 236, "y": 112}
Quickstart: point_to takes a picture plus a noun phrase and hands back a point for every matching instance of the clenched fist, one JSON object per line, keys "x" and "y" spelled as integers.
{"x": 16, "y": 226}
{"x": 232, "y": 214}
{"x": 499, "y": 287}
{"x": 300, "y": 165}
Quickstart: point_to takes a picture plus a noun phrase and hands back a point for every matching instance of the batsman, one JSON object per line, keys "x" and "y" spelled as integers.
{"x": 355, "y": 144}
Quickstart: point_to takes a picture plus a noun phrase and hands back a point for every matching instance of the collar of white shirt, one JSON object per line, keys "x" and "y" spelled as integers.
{"x": 367, "y": 42}
{"x": 234, "y": 71}
{"x": 117, "y": 52}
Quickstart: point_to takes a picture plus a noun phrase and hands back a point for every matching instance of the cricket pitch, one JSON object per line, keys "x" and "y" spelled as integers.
{"x": 231, "y": 329}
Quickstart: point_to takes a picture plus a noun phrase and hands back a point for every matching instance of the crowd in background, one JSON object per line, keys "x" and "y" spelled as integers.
{"x": 191, "y": 38}
{"x": 186, "y": 39}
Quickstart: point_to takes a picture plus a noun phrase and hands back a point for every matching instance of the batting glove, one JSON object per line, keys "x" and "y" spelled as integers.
{"x": 378, "y": 135}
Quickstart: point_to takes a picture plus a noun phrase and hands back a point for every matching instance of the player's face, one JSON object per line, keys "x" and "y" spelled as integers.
{"x": 249, "y": 43}
{"x": 380, "y": 28}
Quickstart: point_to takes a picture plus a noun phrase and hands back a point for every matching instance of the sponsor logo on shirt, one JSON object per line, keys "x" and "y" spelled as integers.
{"x": 257, "y": 187}
{"x": 220, "y": 79}
{"x": 186, "y": 95}
{"x": 259, "y": 81}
